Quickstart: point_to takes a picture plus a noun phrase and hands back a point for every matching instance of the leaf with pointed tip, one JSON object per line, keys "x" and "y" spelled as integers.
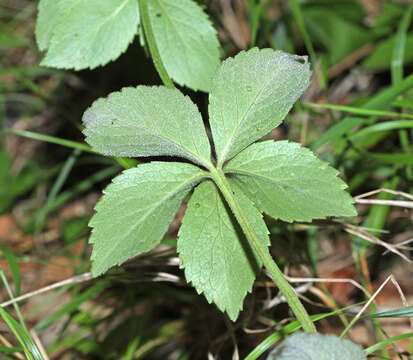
{"x": 147, "y": 121}
{"x": 186, "y": 40}
{"x": 136, "y": 210}
{"x": 317, "y": 347}
{"x": 82, "y": 34}
{"x": 214, "y": 252}
{"x": 251, "y": 94}
{"x": 288, "y": 182}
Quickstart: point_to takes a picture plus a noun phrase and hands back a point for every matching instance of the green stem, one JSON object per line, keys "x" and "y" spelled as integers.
{"x": 307, "y": 42}
{"x": 127, "y": 163}
{"x": 156, "y": 57}
{"x": 262, "y": 251}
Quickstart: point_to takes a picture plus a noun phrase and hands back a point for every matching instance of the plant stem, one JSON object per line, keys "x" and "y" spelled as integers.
{"x": 307, "y": 42}
{"x": 262, "y": 251}
{"x": 156, "y": 57}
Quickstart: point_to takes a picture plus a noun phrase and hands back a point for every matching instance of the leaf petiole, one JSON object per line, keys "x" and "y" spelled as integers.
{"x": 150, "y": 37}
{"x": 269, "y": 263}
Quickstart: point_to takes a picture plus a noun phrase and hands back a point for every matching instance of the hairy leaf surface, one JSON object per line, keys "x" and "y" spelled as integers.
{"x": 82, "y": 34}
{"x": 288, "y": 182}
{"x": 317, "y": 347}
{"x": 136, "y": 210}
{"x": 147, "y": 121}
{"x": 186, "y": 40}
{"x": 214, "y": 252}
{"x": 50, "y": 13}
{"x": 251, "y": 94}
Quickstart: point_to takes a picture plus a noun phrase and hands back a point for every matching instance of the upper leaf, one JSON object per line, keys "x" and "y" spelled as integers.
{"x": 251, "y": 94}
{"x": 317, "y": 347}
{"x": 147, "y": 121}
{"x": 288, "y": 182}
{"x": 136, "y": 209}
{"x": 214, "y": 252}
{"x": 82, "y": 34}
{"x": 186, "y": 40}
{"x": 49, "y": 16}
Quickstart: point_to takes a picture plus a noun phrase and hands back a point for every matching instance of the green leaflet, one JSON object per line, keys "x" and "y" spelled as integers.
{"x": 136, "y": 209}
{"x": 147, "y": 121}
{"x": 317, "y": 347}
{"x": 288, "y": 182}
{"x": 82, "y": 34}
{"x": 215, "y": 254}
{"x": 48, "y": 18}
{"x": 251, "y": 94}
{"x": 186, "y": 41}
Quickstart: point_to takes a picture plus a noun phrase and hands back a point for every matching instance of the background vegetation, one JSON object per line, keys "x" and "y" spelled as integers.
{"x": 357, "y": 114}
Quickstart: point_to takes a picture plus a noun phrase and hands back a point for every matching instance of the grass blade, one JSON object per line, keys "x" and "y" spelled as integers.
{"x": 383, "y": 126}
{"x": 52, "y": 140}
{"x": 57, "y": 186}
{"x": 393, "y": 159}
{"x": 400, "y": 46}
{"x": 404, "y": 312}
{"x": 380, "y": 101}
{"x": 337, "y": 131}
{"x": 73, "y": 305}
{"x": 360, "y": 111}
{"x": 30, "y": 349}
{"x": 383, "y": 343}
{"x": 14, "y": 268}
{"x": 255, "y": 7}
{"x": 298, "y": 15}
{"x": 125, "y": 162}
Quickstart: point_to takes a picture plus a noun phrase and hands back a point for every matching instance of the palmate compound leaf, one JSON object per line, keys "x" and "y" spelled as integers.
{"x": 147, "y": 121}
{"x": 214, "y": 252}
{"x": 288, "y": 182}
{"x": 82, "y": 34}
{"x": 317, "y": 347}
{"x": 251, "y": 94}
{"x": 186, "y": 40}
{"x": 136, "y": 210}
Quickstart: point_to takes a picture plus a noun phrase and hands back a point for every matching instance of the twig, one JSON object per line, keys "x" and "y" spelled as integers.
{"x": 328, "y": 280}
{"x": 257, "y": 331}
{"x": 164, "y": 276}
{"x": 389, "y": 191}
{"x": 366, "y": 305}
{"x": 401, "y": 246}
{"x": 354, "y": 230}
{"x": 405, "y": 204}
{"x": 402, "y": 297}
{"x": 357, "y": 317}
{"x": 73, "y": 280}
{"x": 39, "y": 344}
{"x": 280, "y": 298}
